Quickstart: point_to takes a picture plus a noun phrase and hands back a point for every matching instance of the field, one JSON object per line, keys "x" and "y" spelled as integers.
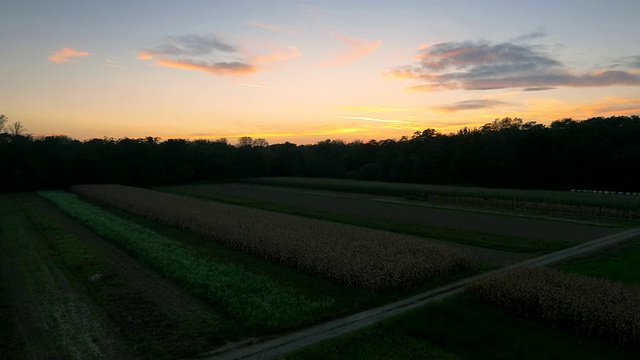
{"x": 582, "y": 205}
{"x": 123, "y": 272}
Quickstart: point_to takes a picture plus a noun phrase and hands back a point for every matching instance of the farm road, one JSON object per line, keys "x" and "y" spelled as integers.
{"x": 292, "y": 342}
{"x": 378, "y": 207}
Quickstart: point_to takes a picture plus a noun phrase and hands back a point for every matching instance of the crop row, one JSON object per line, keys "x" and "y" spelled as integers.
{"x": 595, "y": 307}
{"x": 256, "y": 300}
{"x": 599, "y": 211}
{"x": 356, "y": 257}
{"x": 612, "y": 206}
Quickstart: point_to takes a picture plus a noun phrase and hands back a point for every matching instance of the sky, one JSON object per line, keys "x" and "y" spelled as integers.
{"x": 304, "y": 72}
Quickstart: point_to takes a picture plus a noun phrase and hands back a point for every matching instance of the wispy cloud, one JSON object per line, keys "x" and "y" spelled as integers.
{"x": 67, "y": 55}
{"x": 357, "y": 49}
{"x": 260, "y": 86}
{"x": 377, "y": 109}
{"x": 539, "y": 88}
{"x": 483, "y": 66}
{"x": 191, "y": 45}
{"x": 211, "y": 54}
{"x": 469, "y": 105}
{"x": 270, "y": 27}
{"x": 233, "y": 68}
{"x": 531, "y": 36}
{"x": 377, "y": 120}
{"x": 278, "y": 55}
{"x": 112, "y": 64}
{"x": 549, "y": 108}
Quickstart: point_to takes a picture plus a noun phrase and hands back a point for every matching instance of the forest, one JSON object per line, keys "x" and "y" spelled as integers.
{"x": 597, "y": 153}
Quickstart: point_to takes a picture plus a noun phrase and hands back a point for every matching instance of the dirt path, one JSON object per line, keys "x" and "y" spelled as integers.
{"x": 292, "y": 342}
{"x": 384, "y": 208}
{"x": 43, "y": 302}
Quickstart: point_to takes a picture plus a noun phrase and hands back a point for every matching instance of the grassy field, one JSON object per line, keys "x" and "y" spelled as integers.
{"x": 622, "y": 208}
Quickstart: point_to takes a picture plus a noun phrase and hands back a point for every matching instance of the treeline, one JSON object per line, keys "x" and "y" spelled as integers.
{"x": 598, "y": 153}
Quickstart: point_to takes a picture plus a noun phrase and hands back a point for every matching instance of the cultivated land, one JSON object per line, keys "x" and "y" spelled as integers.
{"x": 129, "y": 306}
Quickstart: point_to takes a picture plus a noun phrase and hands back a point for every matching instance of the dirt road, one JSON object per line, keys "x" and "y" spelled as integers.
{"x": 292, "y": 342}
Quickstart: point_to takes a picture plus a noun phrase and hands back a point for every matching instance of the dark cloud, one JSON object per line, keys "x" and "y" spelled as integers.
{"x": 191, "y": 45}
{"x": 483, "y": 66}
{"x": 211, "y": 54}
{"x": 469, "y": 105}
{"x": 631, "y": 61}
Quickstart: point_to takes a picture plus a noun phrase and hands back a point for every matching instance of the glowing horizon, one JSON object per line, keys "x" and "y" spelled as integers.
{"x": 305, "y": 73}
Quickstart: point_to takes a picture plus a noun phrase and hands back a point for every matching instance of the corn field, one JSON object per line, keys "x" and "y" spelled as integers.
{"x": 355, "y": 257}
{"x": 591, "y": 306}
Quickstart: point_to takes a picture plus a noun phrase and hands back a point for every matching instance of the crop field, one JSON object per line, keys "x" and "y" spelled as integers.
{"x": 587, "y": 311}
{"x": 500, "y": 232}
{"x": 121, "y": 272}
{"x": 356, "y": 257}
{"x": 615, "y": 207}
{"x": 595, "y": 307}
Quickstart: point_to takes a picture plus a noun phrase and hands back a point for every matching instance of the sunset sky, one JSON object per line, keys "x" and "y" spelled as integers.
{"x": 308, "y": 71}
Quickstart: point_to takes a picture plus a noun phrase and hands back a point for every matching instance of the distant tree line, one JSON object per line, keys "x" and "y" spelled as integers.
{"x": 598, "y": 153}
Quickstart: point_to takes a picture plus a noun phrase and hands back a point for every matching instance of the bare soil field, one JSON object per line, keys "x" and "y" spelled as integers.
{"x": 385, "y": 208}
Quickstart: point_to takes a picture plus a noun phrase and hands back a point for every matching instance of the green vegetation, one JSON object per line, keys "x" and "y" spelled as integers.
{"x": 255, "y": 299}
{"x": 556, "y": 202}
{"x": 619, "y": 263}
{"x": 462, "y": 328}
{"x": 475, "y": 238}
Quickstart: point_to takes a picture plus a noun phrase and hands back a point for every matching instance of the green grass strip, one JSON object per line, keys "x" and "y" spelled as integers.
{"x": 619, "y": 263}
{"x": 256, "y": 300}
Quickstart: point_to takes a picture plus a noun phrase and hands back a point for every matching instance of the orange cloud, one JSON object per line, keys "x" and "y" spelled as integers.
{"x": 143, "y": 55}
{"x": 358, "y": 49}
{"x": 66, "y": 55}
{"x": 233, "y": 68}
